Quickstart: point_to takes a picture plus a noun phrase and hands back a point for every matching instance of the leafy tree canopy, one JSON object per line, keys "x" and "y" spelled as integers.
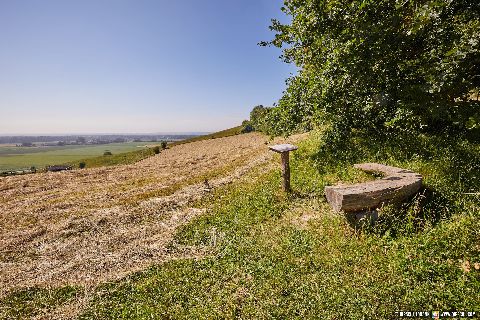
{"x": 379, "y": 65}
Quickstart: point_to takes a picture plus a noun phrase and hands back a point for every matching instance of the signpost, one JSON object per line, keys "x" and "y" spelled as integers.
{"x": 284, "y": 150}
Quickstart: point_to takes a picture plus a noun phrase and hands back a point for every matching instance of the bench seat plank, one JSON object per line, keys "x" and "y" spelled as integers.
{"x": 397, "y": 185}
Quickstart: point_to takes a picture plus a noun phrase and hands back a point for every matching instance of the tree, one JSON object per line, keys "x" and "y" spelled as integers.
{"x": 380, "y": 65}
{"x": 246, "y": 126}
{"x": 258, "y": 117}
{"x": 81, "y": 140}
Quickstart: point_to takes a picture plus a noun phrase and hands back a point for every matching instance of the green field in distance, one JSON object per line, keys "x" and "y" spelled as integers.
{"x": 14, "y": 158}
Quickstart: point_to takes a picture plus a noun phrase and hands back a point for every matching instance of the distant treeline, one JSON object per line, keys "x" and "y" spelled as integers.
{"x": 109, "y": 138}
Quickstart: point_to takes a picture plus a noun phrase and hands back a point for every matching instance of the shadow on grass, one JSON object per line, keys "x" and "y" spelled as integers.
{"x": 450, "y": 167}
{"x": 423, "y": 211}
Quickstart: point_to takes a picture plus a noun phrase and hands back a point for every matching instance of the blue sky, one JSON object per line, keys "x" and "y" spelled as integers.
{"x": 135, "y": 66}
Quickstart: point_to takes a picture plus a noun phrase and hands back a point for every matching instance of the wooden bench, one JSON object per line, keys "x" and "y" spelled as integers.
{"x": 396, "y": 185}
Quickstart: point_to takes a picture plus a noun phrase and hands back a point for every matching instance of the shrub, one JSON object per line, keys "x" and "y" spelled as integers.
{"x": 247, "y": 126}
{"x": 107, "y": 153}
{"x": 163, "y": 144}
{"x": 258, "y": 120}
{"x": 82, "y": 165}
{"x": 411, "y": 68}
{"x": 156, "y": 149}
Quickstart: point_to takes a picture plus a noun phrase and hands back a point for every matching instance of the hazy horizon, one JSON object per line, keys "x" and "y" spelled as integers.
{"x": 135, "y": 66}
{"x": 105, "y": 134}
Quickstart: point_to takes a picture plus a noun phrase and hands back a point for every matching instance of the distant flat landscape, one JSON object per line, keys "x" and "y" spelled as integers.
{"x": 15, "y": 158}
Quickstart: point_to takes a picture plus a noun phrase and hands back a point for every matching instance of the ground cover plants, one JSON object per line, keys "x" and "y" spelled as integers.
{"x": 15, "y": 158}
{"x": 135, "y": 156}
{"x": 81, "y": 216}
{"x": 378, "y": 81}
{"x": 271, "y": 255}
{"x": 12, "y": 158}
{"x": 220, "y": 134}
{"x": 291, "y": 257}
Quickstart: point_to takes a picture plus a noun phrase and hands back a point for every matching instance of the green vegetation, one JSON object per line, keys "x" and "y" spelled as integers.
{"x": 9, "y": 150}
{"x": 220, "y": 134}
{"x": 35, "y": 301}
{"x": 381, "y": 81}
{"x": 135, "y": 156}
{"x": 269, "y": 261}
{"x": 380, "y": 66}
{"x": 12, "y": 158}
{"x": 273, "y": 255}
{"x": 211, "y": 174}
{"x": 258, "y": 120}
{"x": 115, "y": 159}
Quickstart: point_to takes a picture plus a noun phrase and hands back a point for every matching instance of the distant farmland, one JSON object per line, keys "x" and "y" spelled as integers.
{"x": 14, "y": 158}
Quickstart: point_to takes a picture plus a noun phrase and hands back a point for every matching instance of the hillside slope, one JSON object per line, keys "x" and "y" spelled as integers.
{"x": 93, "y": 225}
{"x": 99, "y": 246}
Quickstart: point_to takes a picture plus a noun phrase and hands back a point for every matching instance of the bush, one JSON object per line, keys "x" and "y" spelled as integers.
{"x": 156, "y": 149}
{"x": 247, "y": 127}
{"x": 107, "y": 153}
{"x": 163, "y": 144}
{"x": 379, "y": 66}
{"x": 82, "y": 165}
{"x": 258, "y": 120}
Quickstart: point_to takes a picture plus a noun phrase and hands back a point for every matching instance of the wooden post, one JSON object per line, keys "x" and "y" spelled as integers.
{"x": 284, "y": 150}
{"x": 286, "y": 171}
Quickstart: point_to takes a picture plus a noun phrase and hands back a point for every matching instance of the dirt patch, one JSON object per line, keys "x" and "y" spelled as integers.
{"x": 79, "y": 227}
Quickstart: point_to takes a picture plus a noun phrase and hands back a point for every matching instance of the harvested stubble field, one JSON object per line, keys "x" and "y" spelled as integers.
{"x": 86, "y": 227}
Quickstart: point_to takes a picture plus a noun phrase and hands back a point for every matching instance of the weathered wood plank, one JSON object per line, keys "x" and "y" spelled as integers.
{"x": 397, "y": 185}
{"x": 283, "y": 147}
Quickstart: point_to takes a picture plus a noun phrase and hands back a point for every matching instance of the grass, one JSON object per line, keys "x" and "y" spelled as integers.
{"x": 289, "y": 256}
{"x": 220, "y": 134}
{"x": 209, "y": 175}
{"x": 35, "y": 301}
{"x": 16, "y": 158}
{"x": 135, "y": 156}
{"x": 114, "y": 159}
{"x": 12, "y": 158}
